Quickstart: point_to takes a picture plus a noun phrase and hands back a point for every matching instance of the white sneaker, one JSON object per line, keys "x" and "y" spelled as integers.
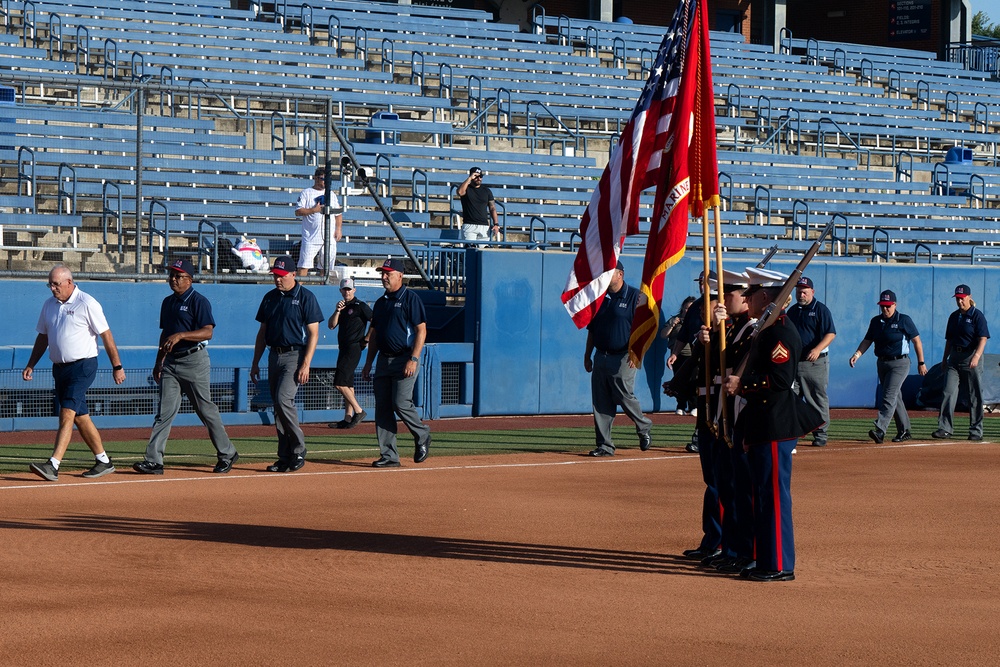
{"x": 794, "y": 451}
{"x": 679, "y": 411}
{"x": 694, "y": 412}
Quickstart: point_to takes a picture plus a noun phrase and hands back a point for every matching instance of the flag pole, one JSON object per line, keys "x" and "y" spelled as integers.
{"x": 706, "y": 312}
{"x": 722, "y": 414}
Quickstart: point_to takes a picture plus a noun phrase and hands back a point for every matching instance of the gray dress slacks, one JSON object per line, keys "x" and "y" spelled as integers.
{"x": 612, "y": 383}
{"x": 188, "y": 375}
{"x": 281, "y": 369}
{"x": 394, "y": 396}
{"x": 812, "y": 381}
{"x": 891, "y": 375}
{"x": 958, "y": 369}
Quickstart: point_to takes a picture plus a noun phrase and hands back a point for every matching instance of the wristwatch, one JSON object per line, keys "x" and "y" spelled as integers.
{"x": 414, "y": 359}
{"x": 116, "y": 368}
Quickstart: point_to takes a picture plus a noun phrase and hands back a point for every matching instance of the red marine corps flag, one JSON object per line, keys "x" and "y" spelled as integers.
{"x": 688, "y": 177}
{"x": 642, "y": 159}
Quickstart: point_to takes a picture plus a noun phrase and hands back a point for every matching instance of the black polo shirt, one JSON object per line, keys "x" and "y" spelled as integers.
{"x": 395, "y": 317}
{"x": 965, "y": 329}
{"x": 287, "y": 314}
{"x": 891, "y": 335}
{"x": 475, "y": 206}
{"x": 813, "y": 323}
{"x": 189, "y": 311}
{"x": 354, "y": 319}
{"x": 611, "y": 327}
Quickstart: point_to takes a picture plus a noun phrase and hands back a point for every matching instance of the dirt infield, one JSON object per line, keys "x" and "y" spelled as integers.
{"x": 543, "y": 559}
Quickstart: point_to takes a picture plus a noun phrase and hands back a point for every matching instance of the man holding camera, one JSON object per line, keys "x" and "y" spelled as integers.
{"x": 309, "y": 207}
{"x": 477, "y": 208}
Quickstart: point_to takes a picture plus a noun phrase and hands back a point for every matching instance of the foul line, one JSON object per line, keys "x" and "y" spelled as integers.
{"x": 35, "y": 485}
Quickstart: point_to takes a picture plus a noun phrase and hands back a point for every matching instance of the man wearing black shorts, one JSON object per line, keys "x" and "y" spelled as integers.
{"x": 352, "y": 316}
{"x": 68, "y": 326}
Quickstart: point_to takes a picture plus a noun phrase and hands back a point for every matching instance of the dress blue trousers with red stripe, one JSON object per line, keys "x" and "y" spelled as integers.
{"x": 771, "y": 471}
{"x": 732, "y": 475}
{"x": 711, "y": 510}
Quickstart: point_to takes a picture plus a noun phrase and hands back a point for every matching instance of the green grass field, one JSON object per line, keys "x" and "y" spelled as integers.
{"x": 338, "y": 446}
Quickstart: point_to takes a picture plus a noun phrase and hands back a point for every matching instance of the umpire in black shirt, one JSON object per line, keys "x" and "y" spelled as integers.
{"x": 612, "y": 382}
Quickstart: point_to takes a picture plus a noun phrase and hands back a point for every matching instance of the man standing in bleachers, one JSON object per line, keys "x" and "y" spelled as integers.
{"x": 815, "y": 326}
{"x": 309, "y": 207}
{"x": 478, "y": 208}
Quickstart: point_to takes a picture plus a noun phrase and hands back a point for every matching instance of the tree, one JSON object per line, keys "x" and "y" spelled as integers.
{"x": 981, "y": 25}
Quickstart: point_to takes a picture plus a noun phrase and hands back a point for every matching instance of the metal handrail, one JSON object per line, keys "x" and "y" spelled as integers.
{"x": 916, "y": 252}
{"x": 822, "y": 145}
{"x": 60, "y": 193}
{"x": 105, "y": 212}
{"x": 531, "y": 230}
{"x": 876, "y": 255}
{"x": 205, "y": 222}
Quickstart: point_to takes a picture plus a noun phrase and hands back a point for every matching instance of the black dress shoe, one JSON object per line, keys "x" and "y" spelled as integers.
{"x": 421, "y": 452}
{"x": 385, "y": 463}
{"x": 691, "y": 447}
{"x": 600, "y": 452}
{"x": 771, "y": 575}
{"x": 296, "y": 464}
{"x": 902, "y": 437}
{"x": 717, "y": 561}
{"x": 699, "y": 553}
{"x": 148, "y": 468}
{"x": 343, "y": 423}
{"x": 277, "y": 466}
{"x": 976, "y": 438}
{"x": 225, "y": 465}
{"x": 645, "y": 442}
{"x": 876, "y": 435}
{"x": 940, "y": 434}
{"x": 737, "y": 566}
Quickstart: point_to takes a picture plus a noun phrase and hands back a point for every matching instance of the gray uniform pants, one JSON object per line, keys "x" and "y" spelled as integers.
{"x": 612, "y": 383}
{"x": 281, "y": 370}
{"x": 189, "y": 375}
{"x": 394, "y": 396}
{"x": 957, "y": 369}
{"x": 811, "y": 383}
{"x": 891, "y": 375}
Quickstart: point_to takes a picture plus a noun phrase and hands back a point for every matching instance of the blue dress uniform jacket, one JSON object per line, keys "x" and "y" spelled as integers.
{"x": 773, "y": 411}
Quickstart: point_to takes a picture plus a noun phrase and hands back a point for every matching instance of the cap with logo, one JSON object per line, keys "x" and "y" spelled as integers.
{"x": 391, "y": 265}
{"x": 347, "y": 283}
{"x": 887, "y": 298}
{"x": 962, "y": 290}
{"x": 476, "y": 171}
{"x": 805, "y": 282}
{"x": 283, "y": 266}
{"x": 182, "y": 265}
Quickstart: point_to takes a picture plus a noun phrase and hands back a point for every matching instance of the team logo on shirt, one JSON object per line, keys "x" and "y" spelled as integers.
{"x": 780, "y": 354}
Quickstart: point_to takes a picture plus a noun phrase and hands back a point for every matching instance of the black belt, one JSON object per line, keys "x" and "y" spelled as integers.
{"x": 613, "y": 351}
{"x": 189, "y": 351}
{"x": 894, "y": 357}
{"x": 286, "y": 348}
{"x": 959, "y": 348}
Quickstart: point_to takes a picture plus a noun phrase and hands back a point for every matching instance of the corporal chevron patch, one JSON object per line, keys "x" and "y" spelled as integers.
{"x": 780, "y": 354}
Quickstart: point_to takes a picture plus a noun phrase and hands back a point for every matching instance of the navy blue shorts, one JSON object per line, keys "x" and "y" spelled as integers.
{"x": 347, "y": 362}
{"x": 72, "y": 382}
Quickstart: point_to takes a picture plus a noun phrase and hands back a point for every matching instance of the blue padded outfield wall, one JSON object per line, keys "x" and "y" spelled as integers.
{"x": 522, "y": 354}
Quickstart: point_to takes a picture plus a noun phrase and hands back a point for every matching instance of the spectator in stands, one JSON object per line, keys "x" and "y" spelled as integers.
{"x": 309, "y": 207}
{"x": 815, "y": 325}
{"x": 965, "y": 340}
{"x": 671, "y": 333}
{"x": 893, "y": 334}
{"x": 68, "y": 326}
{"x": 352, "y": 316}
{"x": 396, "y": 336}
{"x": 478, "y": 208}
{"x": 612, "y": 380}
{"x": 289, "y": 317}
{"x": 182, "y": 366}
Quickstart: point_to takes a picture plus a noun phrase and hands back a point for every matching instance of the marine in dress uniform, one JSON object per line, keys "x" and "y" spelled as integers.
{"x": 612, "y": 379}
{"x": 893, "y": 334}
{"x": 183, "y": 367}
{"x": 289, "y": 317}
{"x": 965, "y": 340}
{"x": 771, "y": 422}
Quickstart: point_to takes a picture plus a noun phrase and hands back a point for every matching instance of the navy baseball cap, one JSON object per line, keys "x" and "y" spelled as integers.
{"x": 283, "y": 266}
{"x": 805, "y": 282}
{"x": 391, "y": 265}
{"x": 181, "y": 265}
{"x": 475, "y": 171}
{"x": 887, "y": 298}
{"x": 620, "y": 267}
{"x": 963, "y": 290}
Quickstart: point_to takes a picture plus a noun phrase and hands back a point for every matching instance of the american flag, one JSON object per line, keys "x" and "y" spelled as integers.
{"x": 635, "y": 166}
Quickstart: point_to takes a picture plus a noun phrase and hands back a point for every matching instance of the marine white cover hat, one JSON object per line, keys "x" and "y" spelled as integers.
{"x": 764, "y": 278}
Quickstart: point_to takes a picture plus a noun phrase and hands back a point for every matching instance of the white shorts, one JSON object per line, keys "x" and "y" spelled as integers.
{"x": 476, "y": 232}
{"x": 311, "y": 255}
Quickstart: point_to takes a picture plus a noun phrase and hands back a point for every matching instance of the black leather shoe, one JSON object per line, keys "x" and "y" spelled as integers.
{"x": 421, "y": 452}
{"x": 940, "y": 434}
{"x": 277, "y": 466}
{"x": 737, "y": 566}
{"x": 645, "y": 442}
{"x": 224, "y": 466}
{"x": 976, "y": 438}
{"x": 902, "y": 437}
{"x": 296, "y": 464}
{"x": 385, "y": 463}
{"x": 600, "y": 452}
{"x": 717, "y": 561}
{"x": 699, "y": 553}
{"x": 770, "y": 575}
{"x": 819, "y": 443}
{"x": 148, "y": 468}
{"x": 876, "y": 435}
{"x": 343, "y": 423}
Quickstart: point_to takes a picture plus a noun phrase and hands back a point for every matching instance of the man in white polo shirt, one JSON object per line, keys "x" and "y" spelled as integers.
{"x": 68, "y": 326}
